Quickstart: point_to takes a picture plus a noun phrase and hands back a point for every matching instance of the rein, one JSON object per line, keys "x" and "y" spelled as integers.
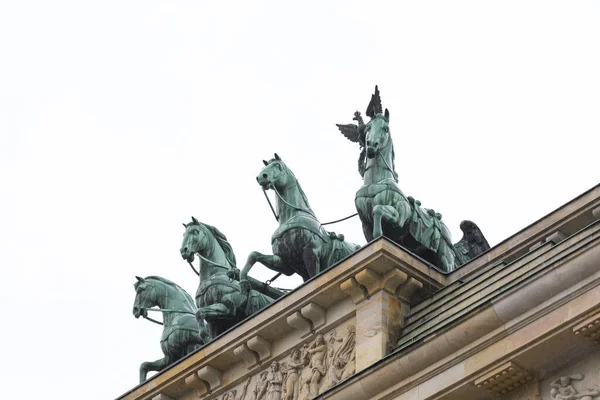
{"x": 394, "y": 174}
{"x": 163, "y": 310}
{"x": 208, "y": 261}
{"x": 299, "y": 208}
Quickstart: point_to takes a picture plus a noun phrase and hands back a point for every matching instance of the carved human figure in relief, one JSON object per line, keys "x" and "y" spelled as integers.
{"x": 261, "y": 386}
{"x": 275, "y": 382}
{"x": 231, "y": 395}
{"x": 341, "y": 361}
{"x": 317, "y": 353}
{"x": 563, "y": 389}
{"x": 293, "y": 368}
{"x": 345, "y": 354}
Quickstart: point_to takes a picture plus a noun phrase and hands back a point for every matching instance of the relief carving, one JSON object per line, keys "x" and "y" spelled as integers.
{"x": 308, "y": 371}
{"x": 275, "y": 382}
{"x": 260, "y": 389}
{"x": 320, "y": 365}
{"x": 231, "y": 395}
{"x": 563, "y": 389}
{"x": 292, "y": 370}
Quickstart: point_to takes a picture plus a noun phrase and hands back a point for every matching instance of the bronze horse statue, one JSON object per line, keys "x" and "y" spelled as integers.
{"x": 385, "y": 210}
{"x": 182, "y": 334}
{"x": 221, "y": 301}
{"x": 300, "y": 244}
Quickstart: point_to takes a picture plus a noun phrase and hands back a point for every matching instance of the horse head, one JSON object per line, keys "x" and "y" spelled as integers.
{"x": 274, "y": 174}
{"x": 377, "y": 133}
{"x": 146, "y": 296}
{"x": 195, "y": 239}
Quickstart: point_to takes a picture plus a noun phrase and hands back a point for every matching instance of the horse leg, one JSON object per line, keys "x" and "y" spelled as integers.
{"x": 216, "y": 310}
{"x": 216, "y": 316}
{"x": 310, "y": 256}
{"x": 148, "y": 366}
{"x": 273, "y": 262}
{"x": 383, "y": 212}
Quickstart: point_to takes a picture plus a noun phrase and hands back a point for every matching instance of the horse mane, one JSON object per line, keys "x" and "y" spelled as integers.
{"x": 171, "y": 284}
{"x": 225, "y": 245}
{"x": 302, "y": 194}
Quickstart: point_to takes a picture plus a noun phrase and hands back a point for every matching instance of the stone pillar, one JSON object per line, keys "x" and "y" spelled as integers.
{"x": 381, "y": 307}
{"x": 378, "y": 321}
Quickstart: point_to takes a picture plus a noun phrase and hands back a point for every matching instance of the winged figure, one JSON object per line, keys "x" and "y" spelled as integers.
{"x": 356, "y": 133}
{"x": 472, "y": 243}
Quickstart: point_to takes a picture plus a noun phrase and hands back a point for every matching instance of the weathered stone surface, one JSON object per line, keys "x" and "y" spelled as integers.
{"x": 534, "y": 310}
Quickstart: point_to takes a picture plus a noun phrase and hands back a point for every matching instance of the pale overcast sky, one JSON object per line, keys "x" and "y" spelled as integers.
{"x": 121, "y": 119}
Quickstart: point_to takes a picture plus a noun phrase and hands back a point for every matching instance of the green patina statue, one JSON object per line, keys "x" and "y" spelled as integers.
{"x": 222, "y": 302}
{"x": 181, "y": 334}
{"x": 300, "y": 245}
{"x": 383, "y": 208}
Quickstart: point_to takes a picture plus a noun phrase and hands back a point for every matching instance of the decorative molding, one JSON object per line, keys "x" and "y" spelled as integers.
{"x": 590, "y": 328}
{"x": 537, "y": 245}
{"x": 556, "y": 237}
{"x": 368, "y": 282}
{"x": 315, "y": 313}
{"x": 194, "y": 382}
{"x": 261, "y": 346}
{"x": 249, "y": 356}
{"x": 162, "y": 396}
{"x": 298, "y": 322}
{"x": 408, "y": 288}
{"x": 503, "y": 379}
{"x": 210, "y": 375}
{"x": 357, "y": 292}
{"x": 393, "y": 279}
{"x": 596, "y": 212}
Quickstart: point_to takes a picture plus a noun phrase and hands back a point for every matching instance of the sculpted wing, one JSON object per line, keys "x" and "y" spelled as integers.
{"x": 472, "y": 244}
{"x": 350, "y": 131}
{"x": 374, "y": 106}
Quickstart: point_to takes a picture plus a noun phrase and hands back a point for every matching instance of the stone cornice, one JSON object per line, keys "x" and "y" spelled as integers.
{"x": 485, "y": 328}
{"x": 304, "y": 311}
{"x": 463, "y": 312}
{"x": 567, "y": 219}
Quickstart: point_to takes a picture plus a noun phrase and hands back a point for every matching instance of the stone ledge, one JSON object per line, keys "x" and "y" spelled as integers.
{"x": 310, "y": 309}
{"x": 589, "y": 329}
{"x": 452, "y": 360}
{"x": 503, "y": 379}
{"x": 554, "y": 259}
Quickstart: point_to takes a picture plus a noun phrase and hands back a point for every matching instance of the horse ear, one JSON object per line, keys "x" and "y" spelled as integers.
{"x": 194, "y": 220}
{"x": 141, "y": 280}
{"x": 277, "y": 157}
{"x": 265, "y": 162}
{"x": 387, "y": 115}
{"x": 184, "y": 225}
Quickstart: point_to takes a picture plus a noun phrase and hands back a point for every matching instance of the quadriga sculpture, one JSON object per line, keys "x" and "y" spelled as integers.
{"x": 300, "y": 245}
{"x": 221, "y": 301}
{"x": 385, "y": 210}
{"x": 181, "y": 334}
